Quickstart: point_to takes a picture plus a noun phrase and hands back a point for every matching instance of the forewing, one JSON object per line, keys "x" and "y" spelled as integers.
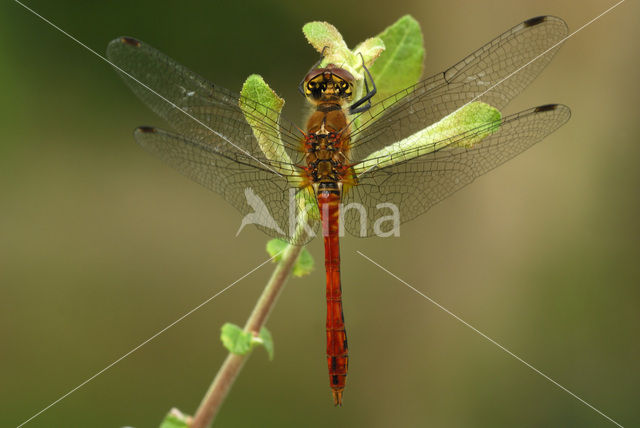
{"x": 263, "y": 197}
{"x": 494, "y": 74}
{"x": 416, "y": 185}
{"x": 197, "y": 108}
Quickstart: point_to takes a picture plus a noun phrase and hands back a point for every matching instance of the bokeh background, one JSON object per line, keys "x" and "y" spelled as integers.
{"x": 101, "y": 245}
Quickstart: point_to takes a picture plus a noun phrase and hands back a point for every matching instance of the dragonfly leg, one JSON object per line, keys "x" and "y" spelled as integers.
{"x": 358, "y": 106}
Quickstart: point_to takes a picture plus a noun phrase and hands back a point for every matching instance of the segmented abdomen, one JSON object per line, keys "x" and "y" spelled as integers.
{"x": 337, "y": 351}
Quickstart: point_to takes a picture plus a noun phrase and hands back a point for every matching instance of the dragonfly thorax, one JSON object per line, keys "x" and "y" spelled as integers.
{"x": 325, "y": 157}
{"x": 327, "y": 141}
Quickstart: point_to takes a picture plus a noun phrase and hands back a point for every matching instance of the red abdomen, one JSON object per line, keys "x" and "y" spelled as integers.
{"x": 337, "y": 353}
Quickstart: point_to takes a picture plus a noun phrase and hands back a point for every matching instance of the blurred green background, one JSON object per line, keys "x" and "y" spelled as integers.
{"x": 101, "y": 245}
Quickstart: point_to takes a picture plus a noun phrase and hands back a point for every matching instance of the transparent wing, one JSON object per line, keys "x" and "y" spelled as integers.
{"x": 264, "y": 198}
{"x": 416, "y": 185}
{"x": 213, "y": 113}
{"x": 217, "y": 147}
{"x": 430, "y": 100}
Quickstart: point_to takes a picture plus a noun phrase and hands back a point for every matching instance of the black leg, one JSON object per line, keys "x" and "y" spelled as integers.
{"x": 358, "y": 106}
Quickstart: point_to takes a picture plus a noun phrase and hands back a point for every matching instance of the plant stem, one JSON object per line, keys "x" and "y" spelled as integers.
{"x": 233, "y": 363}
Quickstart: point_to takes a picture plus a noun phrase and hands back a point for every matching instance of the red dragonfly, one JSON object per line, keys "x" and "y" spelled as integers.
{"x": 227, "y": 142}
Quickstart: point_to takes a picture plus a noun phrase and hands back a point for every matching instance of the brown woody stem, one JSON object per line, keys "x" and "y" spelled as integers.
{"x": 232, "y": 365}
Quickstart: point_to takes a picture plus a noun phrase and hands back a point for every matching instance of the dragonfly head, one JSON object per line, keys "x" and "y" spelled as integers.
{"x": 329, "y": 84}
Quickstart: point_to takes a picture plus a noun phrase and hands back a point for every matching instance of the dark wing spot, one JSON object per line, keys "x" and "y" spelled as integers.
{"x": 130, "y": 41}
{"x": 534, "y": 21}
{"x": 146, "y": 129}
{"x": 546, "y": 107}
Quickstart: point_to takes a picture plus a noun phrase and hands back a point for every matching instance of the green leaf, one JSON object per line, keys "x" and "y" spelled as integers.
{"x": 176, "y": 419}
{"x": 240, "y": 342}
{"x": 474, "y": 121}
{"x": 265, "y": 340}
{"x": 235, "y": 339}
{"x": 370, "y": 49}
{"x": 325, "y": 38}
{"x": 304, "y": 264}
{"x": 276, "y": 247}
{"x": 256, "y": 101}
{"x": 256, "y": 89}
{"x": 401, "y": 64}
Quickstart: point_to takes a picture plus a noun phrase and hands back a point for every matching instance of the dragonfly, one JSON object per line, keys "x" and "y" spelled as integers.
{"x": 244, "y": 151}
